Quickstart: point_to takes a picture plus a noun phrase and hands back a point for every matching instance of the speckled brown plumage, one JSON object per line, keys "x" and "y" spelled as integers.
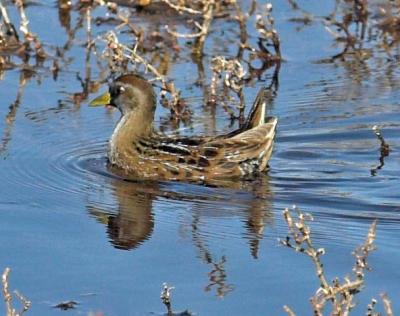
{"x": 141, "y": 151}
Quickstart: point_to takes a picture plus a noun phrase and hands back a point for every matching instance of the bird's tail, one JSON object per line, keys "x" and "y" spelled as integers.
{"x": 257, "y": 113}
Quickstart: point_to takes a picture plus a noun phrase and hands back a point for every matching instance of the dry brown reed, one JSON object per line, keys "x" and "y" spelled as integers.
{"x": 166, "y": 297}
{"x": 10, "y": 40}
{"x": 338, "y": 296}
{"x": 363, "y": 28}
{"x": 8, "y": 297}
{"x": 207, "y": 15}
{"x": 200, "y": 14}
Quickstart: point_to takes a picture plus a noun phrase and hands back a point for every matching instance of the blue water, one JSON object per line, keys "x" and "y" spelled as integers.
{"x": 71, "y": 229}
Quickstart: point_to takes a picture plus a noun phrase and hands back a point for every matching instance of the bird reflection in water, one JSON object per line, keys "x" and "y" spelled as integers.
{"x": 259, "y": 213}
{"x": 131, "y": 222}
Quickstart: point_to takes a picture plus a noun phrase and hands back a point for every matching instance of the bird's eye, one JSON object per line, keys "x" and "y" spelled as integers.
{"x": 116, "y": 90}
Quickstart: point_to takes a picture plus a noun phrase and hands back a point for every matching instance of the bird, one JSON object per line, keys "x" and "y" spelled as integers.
{"x": 139, "y": 150}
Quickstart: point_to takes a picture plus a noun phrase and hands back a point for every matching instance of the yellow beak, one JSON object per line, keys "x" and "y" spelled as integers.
{"x": 103, "y": 99}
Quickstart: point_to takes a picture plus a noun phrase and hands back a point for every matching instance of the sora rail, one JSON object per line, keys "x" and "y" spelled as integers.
{"x": 138, "y": 149}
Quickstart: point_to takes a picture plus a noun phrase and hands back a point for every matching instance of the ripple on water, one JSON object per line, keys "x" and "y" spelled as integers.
{"x": 73, "y": 164}
{"x": 325, "y": 153}
{"x": 62, "y": 169}
{"x": 314, "y": 166}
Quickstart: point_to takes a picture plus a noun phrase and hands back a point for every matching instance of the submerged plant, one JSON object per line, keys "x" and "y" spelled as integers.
{"x": 384, "y": 150}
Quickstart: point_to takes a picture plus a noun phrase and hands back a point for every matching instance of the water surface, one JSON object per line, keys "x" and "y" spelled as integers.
{"x": 74, "y": 229}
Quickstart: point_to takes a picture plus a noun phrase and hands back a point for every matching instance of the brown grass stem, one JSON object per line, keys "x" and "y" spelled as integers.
{"x": 181, "y": 8}
{"x": 10, "y": 310}
{"x": 339, "y": 294}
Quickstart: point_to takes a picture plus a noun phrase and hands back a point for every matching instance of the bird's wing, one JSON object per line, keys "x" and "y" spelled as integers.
{"x": 202, "y": 158}
{"x": 242, "y": 154}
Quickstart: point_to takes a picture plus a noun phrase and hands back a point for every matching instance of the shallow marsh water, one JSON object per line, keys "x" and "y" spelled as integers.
{"x": 72, "y": 229}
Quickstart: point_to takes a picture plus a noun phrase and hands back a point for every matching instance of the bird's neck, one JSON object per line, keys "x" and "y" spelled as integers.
{"x": 130, "y": 129}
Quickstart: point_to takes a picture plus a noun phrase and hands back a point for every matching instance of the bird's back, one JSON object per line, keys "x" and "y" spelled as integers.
{"x": 240, "y": 153}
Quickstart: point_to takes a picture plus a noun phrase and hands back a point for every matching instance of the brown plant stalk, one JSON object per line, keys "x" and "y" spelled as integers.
{"x": 339, "y": 294}
{"x": 10, "y": 311}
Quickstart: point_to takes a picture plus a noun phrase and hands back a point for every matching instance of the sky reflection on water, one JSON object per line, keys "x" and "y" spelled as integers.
{"x": 71, "y": 228}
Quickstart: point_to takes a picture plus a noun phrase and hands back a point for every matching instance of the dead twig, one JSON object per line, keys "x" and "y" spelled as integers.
{"x": 11, "y": 32}
{"x": 288, "y": 310}
{"x": 29, "y": 36}
{"x": 231, "y": 73}
{"x": 200, "y": 37}
{"x": 265, "y": 25}
{"x": 339, "y": 294}
{"x": 180, "y": 8}
{"x": 166, "y": 297}
{"x": 384, "y": 150}
{"x": 10, "y": 311}
{"x": 387, "y": 304}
